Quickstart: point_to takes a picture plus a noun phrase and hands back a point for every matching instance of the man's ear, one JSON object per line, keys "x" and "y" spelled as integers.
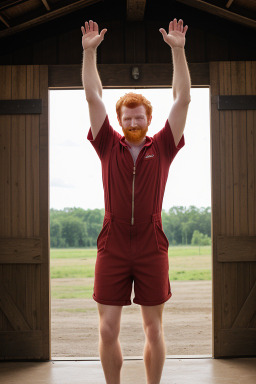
{"x": 119, "y": 121}
{"x": 149, "y": 120}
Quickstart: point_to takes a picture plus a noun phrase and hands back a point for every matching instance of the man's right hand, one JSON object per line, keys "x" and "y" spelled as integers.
{"x": 91, "y": 37}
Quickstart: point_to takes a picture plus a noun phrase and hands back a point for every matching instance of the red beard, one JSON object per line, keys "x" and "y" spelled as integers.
{"x": 134, "y": 135}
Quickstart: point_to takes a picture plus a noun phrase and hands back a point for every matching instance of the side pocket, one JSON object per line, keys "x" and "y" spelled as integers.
{"x": 103, "y": 235}
{"x": 162, "y": 241}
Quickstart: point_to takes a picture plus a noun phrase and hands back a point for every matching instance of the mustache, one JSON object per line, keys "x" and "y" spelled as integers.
{"x": 132, "y": 128}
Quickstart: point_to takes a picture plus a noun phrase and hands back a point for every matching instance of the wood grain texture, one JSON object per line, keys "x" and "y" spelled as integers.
{"x": 24, "y": 228}
{"x": 215, "y": 196}
{"x": 234, "y": 260}
{"x": 20, "y": 250}
{"x": 13, "y": 344}
{"x": 119, "y": 75}
{"x": 5, "y": 153}
{"x": 236, "y": 248}
{"x": 44, "y": 212}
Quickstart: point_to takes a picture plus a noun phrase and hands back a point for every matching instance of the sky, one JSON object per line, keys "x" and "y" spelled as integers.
{"x": 75, "y": 168}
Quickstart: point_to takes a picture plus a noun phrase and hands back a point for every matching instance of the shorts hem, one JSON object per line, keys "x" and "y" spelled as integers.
{"x": 112, "y": 302}
{"x": 151, "y": 303}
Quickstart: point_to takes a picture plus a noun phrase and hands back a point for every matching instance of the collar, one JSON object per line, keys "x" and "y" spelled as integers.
{"x": 147, "y": 143}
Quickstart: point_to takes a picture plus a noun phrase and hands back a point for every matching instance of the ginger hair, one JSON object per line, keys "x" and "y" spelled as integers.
{"x": 133, "y": 100}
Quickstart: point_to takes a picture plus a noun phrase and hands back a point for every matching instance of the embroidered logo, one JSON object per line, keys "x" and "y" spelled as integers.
{"x": 146, "y": 157}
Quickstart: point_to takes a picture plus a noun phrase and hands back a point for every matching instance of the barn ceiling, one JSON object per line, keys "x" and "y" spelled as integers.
{"x": 20, "y": 15}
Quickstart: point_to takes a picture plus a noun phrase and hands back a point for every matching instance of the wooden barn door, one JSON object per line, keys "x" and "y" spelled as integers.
{"x": 233, "y": 161}
{"x": 24, "y": 207}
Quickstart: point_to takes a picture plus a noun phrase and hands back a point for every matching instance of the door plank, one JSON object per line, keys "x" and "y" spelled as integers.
{"x": 247, "y": 311}
{"x": 5, "y": 165}
{"x": 238, "y": 342}
{"x": 44, "y": 212}
{"x": 32, "y": 156}
{"x": 11, "y": 310}
{"x": 215, "y": 186}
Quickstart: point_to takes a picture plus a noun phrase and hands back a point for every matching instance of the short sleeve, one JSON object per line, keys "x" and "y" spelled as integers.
{"x": 166, "y": 144}
{"x": 105, "y": 139}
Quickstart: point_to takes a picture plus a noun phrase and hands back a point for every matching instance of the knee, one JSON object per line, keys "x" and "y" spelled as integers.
{"x": 108, "y": 333}
{"x": 153, "y": 332}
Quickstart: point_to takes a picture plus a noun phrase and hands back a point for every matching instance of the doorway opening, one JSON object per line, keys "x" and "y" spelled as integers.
{"x": 76, "y": 216}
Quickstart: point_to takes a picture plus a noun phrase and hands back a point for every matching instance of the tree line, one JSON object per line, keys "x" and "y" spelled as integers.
{"x": 76, "y": 227}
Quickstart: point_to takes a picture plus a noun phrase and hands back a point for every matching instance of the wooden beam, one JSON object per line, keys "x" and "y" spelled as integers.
{"x": 241, "y": 102}
{"x": 20, "y": 107}
{"x": 135, "y": 10}
{"x": 4, "y": 21}
{"x": 48, "y": 16}
{"x": 9, "y": 3}
{"x": 20, "y": 250}
{"x": 236, "y": 248}
{"x": 120, "y": 75}
{"x": 45, "y": 3}
{"x": 229, "y": 3}
{"x": 220, "y": 12}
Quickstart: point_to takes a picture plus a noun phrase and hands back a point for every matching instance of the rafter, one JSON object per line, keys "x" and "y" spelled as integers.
{"x": 4, "y": 21}
{"x": 229, "y": 3}
{"x": 48, "y": 16}
{"x": 46, "y": 5}
{"x": 220, "y": 12}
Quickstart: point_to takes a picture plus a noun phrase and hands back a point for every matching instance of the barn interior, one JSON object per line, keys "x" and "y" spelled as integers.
{"x": 40, "y": 49}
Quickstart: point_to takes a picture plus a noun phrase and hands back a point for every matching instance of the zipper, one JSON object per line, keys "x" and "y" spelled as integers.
{"x": 133, "y": 181}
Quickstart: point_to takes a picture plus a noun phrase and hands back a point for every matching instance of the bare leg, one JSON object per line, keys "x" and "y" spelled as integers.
{"x": 154, "y": 350}
{"x": 109, "y": 344}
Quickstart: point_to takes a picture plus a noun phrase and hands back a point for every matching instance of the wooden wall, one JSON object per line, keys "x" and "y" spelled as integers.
{"x": 233, "y": 160}
{"x": 24, "y": 218}
{"x": 59, "y": 42}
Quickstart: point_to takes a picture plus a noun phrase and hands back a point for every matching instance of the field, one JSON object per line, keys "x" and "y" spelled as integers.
{"x": 187, "y": 315}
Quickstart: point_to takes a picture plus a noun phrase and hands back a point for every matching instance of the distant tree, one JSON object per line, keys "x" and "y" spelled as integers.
{"x": 74, "y": 232}
{"x": 55, "y": 233}
{"x": 199, "y": 238}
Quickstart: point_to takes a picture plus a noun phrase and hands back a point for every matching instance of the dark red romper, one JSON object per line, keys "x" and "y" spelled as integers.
{"x": 132, "y": 245}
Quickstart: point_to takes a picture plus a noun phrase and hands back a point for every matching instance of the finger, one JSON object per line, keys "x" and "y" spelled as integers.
{"x": 164, "y": 33}
{"x": 102, "y": 34}
{"x": 180, "y": 25}
{"x": 171, "y": 26}
{"x": 175, "y": 24}
{"x": 83, "y": 30}
{"x": 95, "y": 27}
{"x": 86, "y": 26}
{"x": 91, "y": 25}
{"x": 185, "y": 30}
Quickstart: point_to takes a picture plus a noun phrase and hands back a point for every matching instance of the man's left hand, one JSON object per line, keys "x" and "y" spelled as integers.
{"x": 176, "y": 36}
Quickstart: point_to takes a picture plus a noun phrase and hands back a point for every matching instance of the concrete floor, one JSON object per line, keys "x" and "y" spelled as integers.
{"x": 176, "y": 371}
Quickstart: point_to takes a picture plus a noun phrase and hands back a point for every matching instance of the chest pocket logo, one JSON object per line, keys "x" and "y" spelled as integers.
{"x": 149, "y": 157}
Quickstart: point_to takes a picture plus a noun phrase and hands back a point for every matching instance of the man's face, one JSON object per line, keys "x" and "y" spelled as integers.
{"x": 134, "y": 123}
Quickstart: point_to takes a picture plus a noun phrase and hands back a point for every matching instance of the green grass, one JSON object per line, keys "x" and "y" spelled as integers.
{"x": 69, "y": 272}
{"x": 73, "y": 253}
{"x": 72, "y": 292}
{"x": 186, "y": 263}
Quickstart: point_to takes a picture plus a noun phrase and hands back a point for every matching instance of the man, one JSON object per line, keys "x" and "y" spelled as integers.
{"x": 132, "y": 245}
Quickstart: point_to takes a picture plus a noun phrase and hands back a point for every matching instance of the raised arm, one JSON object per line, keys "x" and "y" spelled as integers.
{"x": 91, "y": 39}
{"x": 181, "y": 77}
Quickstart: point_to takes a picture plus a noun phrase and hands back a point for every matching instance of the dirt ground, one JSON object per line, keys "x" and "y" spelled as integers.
{"x": 187, "y": 321}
